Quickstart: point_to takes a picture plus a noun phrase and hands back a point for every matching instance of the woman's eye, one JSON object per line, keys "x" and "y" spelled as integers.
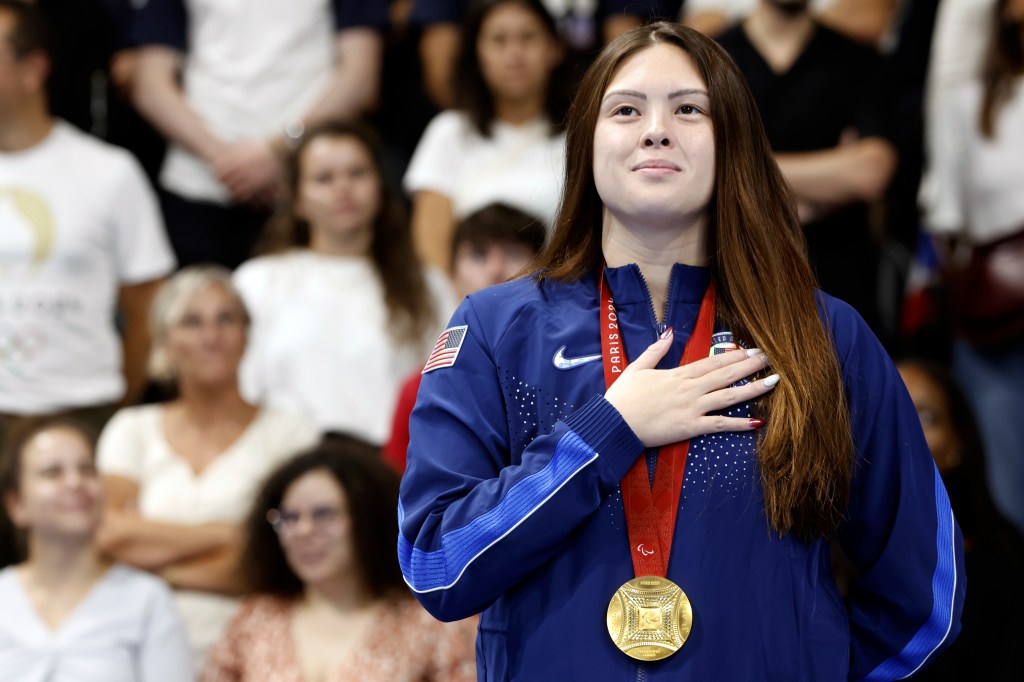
{"x": 626, "y": 111}
{"x": 688, "y": 109}
{"x": 228, "y": 318}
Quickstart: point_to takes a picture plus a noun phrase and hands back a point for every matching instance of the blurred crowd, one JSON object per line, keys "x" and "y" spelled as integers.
{"x": 231, "y": 233}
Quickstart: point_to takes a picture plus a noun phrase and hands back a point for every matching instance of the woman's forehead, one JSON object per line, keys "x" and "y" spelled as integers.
{"x": 660, "y": 67}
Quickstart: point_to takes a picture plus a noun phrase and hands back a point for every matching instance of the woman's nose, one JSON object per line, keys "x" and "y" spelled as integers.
{"x": 656, "y": 134}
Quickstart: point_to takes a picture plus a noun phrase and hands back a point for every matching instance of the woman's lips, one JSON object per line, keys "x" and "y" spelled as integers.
{"x": 656, "y": 167}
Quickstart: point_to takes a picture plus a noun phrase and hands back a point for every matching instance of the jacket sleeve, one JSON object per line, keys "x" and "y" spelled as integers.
{"x": 899, "y": 532}
{"x": 473, "y": 523}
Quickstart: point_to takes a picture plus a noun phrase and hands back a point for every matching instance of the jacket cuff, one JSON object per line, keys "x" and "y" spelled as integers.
{"x": 602, "y": 428}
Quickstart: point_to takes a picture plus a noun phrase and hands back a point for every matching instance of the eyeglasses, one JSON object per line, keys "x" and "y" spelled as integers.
{"x": 285, "y": 522}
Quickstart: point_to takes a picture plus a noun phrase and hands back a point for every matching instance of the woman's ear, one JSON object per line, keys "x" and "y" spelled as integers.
{"x": 14, "y": 509}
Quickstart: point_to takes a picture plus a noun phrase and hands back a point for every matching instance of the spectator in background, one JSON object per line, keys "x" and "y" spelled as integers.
{"x": 974, "y": 202}
{"x": 490, "y": 246}
{"x": 503, "y": 143}
{"x": 988, "y": 647}
{"x": 342, "y": 312}
{"x": 823, "y": 101}
{"x": 328, "y": 598}
{"x": 181, "y": 475}
{"x": 579, "y": 21}
{"x": 866, "y": 21}
{"x": 85, "y": 36}
{"x": 962, "y": 29}
{"x": 80, "y": 240}
{"x": 66, "y": 613}
{"x": 233, "y": 86}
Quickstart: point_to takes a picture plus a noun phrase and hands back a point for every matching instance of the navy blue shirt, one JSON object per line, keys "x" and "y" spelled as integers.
{"x": 165, "y": 22}
{"x": 452, "y": 11}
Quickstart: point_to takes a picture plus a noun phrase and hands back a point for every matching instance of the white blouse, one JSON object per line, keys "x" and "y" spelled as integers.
{"x": 133, "y": 446}
{"x": 125, "y": 630}
{"x": 522, "y": 166}
{"x": 321, "y": 342}
{"x": 976, "y": 184}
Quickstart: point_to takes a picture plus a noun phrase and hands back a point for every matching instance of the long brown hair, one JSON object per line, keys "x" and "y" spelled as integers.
{"x": 405, "y": 288}
{"x": 1003, "y": 63}
{"x": 758, "y": 262}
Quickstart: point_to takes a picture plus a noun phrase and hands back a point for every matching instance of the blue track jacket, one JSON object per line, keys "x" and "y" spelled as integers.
{"x": 510, "y": 506}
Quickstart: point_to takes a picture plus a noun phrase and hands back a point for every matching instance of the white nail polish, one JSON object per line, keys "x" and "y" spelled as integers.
{"x": 751, "y": 352}
{"x": 772, "y": 380}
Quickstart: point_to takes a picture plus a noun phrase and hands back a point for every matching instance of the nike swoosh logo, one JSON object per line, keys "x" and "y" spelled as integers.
{"x": 562, "y": 362}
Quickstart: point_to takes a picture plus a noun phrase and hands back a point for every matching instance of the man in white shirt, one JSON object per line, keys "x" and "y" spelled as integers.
{"x": 233, "y": 86}
{"x": 81, "y": 240}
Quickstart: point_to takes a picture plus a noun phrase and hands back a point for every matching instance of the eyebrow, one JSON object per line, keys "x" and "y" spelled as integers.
{"x": 639, "y": 95}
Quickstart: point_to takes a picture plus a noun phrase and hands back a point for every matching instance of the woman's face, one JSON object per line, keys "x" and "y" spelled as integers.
{"x": 516, "y": 53}
{"x": 339, "y": 188}
{"x": 654, "y": 144}
{"x": 60, "y": 495}
{"x": 206, "y": 345}
{"x": 936, "y": 421}
{"x": 315, "y": 529}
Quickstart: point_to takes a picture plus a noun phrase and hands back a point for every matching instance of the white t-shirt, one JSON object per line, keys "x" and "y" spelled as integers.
{"x": 522, "y": 166}
{"x": 319, "y": 344}
{"x": 133, "y": 446}
{"x": 125, "y": 630}
{"x": 251, "y": 67}
{"x": 959, "y": 39}
{"x": 977, "y": 184}
{"x": 78, "y": 220}
{"x": 737, "y": 9}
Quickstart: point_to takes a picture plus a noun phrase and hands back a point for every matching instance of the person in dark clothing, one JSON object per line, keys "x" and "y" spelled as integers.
{"x": 823, "y": 101}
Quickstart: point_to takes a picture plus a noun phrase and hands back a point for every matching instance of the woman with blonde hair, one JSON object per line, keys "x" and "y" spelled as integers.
{"x": 633, "y": 461}
{"x": 180, "y": 474}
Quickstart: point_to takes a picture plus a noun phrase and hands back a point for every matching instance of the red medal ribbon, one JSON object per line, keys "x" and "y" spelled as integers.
{"x": 651, "y": 508}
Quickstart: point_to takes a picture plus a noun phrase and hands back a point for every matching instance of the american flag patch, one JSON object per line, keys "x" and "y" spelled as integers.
{"x": 446, "y": 349}
{"x": 722, "y": 342}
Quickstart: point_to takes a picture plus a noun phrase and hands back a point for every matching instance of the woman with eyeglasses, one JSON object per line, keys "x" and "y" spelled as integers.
{"x": 328, "y": 601}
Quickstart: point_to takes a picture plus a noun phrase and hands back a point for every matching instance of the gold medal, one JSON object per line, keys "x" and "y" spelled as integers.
{"x": 649, "y": 618}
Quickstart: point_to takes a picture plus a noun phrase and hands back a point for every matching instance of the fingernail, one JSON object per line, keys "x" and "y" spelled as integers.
{"x": 751, "y": 352}
{"x": 772, "y": 380}
{"x": 665, "y": 334}
{"x": 754, "y": 423}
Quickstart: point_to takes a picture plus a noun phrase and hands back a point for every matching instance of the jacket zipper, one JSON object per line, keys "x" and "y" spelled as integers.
{"x": 658, "y": 327}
